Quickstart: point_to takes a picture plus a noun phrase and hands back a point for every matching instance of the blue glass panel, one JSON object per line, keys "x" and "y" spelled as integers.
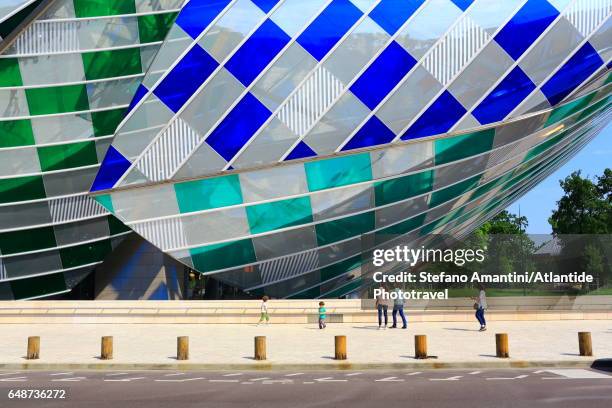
{"x": 526, "y": 26}
{"x": 257, "y": 52}
{"x": 265, "y": 5}
{"x": 301, "y": 151}
{"x": 373, "y": 133}
{"x": 185, "y": 78}
{"x": 140, "y": 93}
{"x": 438, "y": 118}
{"x": 325, "y": 31}
{"x": 383, "y": 75}
{"x": 198, "y": 14}
{"x": 506, "y": 96}
{"x": 238, "y": 126}
{"x": 112, "y": 168}
{"x": 576, "y": 70}
{"x": 392, "y": 14}
{"x": 463, "y": 4}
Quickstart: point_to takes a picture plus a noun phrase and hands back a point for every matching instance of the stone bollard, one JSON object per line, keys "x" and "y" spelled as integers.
{"x": 584, "y": 344}
{"x": 260, "y": 348}
{"x": 340, "y": 347}
{"x": 33, "y": 348}
{"x": 106, "y": 352}
{"x": 420, "y": 346}
{"x": 501, "y": 345}
{"x": 182, "y": 348}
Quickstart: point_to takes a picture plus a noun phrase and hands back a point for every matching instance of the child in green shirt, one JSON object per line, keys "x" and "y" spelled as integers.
{"x": 322, "y": 315}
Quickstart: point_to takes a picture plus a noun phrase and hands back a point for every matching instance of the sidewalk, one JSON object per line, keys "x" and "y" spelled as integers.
{"x": 456, "y": 345}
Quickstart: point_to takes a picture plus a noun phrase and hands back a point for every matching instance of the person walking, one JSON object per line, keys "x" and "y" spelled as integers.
{"x": 264, "y": 311}
{"x": 382, "y": 305}
{"x": 481, "y": 306}
{"x": 398, "y": 307}
{"x": 322, "y": 315}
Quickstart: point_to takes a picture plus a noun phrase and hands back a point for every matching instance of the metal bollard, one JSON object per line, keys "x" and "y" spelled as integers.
{"x": 584, "y": 344}
{"x": 501, "y": 345}
{"x": 420, "y": 346}
{"x": 182, "y": 348}
{"x": 260, "y": 348}
{"x": 106, "y": 352}
{"x": 33, "y": 348}
{"x": 340, "y": 347}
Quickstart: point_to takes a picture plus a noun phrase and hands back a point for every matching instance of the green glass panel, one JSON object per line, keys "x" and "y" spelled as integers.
{"x": 85, "y": 254}
{"x": 58, "y": 99}
{"x": 448, "y": 193}
{"x": 115, "y": 226}
{"x": 114, "y": 63}
{"x": 93, "y": 8}
{"x": 38, "y": 286}
{"x": 604, "y": 103}
{"x": 568, "y": 109}
{"x": 105, "y": 122}
{"x": 16, "y": 133}
{"x": 307, "y": 294}
{"x": 459, "y": 147}
{"x": 279, "y": 214}
{"x": 221, "y": 256}
{"x": 340, "y": 268}
{"x": 26, "y": 240}
{"x": 154, "y": 27}
{"x": 484, "y": 189}
{"x": 105, "y": 201}
{"x": 338, "y": 171}
{"x": 400, "y": 228}
{"x": 343, "y": 228}
{"x": 344, "y": 290}
{"x": 208, "y": 193}
{"x": 9, "y": 72}
{"x": 21, "y": 189}
{"x": 67, "y": 156}
{"x": 390, "y": 191}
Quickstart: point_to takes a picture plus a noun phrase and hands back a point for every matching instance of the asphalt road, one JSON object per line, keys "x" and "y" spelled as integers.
{"x": 435, "y": 388}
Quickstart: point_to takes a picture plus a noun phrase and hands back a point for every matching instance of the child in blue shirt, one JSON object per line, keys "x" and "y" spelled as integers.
{"x": 322, "y": 316}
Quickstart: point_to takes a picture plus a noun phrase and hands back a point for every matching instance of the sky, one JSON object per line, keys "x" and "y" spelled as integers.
{"x": 538, "y": 204}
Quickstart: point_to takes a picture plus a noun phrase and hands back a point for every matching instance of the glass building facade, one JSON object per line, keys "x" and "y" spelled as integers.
{"x": 273, "y": 143}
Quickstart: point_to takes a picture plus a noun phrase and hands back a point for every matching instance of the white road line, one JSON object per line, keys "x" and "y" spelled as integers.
{"x": 69, "y": 373}
{"x": 173, "y": 374}
{"x": 182, "y": 379}
{"x": 247, "y": 383}
{"x": 579, "y": 373}
{"x": 232, "y": 375}
{"x": 308, "y": 382}
{"x": 328, "y": 379}
{"x": 126, "y": 379}
{"x": 353, "y": 374}
{"x": 415, "y": 373}
{"x": 13, "y": 379}
{"x": 518, "y": 377}
{"x": 453, "y": 378}
{"x": 389, "y": 379}
{"x": 475, "y": 372}
{"x": 224, "y": 381}
{"x": 113, "y": 374}
{"x": 260, "y": 379}
{"x": 539, "y": 371}
{"x": 281, "y": 381}
{"x": 70, "y": 379}
{"x": 16, "y": 372}
{"x": 294, "y": 374}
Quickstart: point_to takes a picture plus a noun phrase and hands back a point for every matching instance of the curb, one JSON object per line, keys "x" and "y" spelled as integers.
{"x": 269, "y": 366}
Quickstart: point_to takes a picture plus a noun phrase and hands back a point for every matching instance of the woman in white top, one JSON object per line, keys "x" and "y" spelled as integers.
{"x": 481, "y": 306}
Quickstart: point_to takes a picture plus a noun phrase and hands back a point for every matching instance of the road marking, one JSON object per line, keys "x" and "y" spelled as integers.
{"x": 574, "y": 373}
{"x": 328, "y": 379}
{"x": 125, "y": 379}
{"x": 294, "y": 374}
{"x": 415, "y": 373}
{"x": 13, "y": 379}
{"x": 69, "y": 373}
{"x": 539, "y": 371}
{"x": 453, "y": 378}
{"x": 308, "y": 382}
{"x": 389, "y": 379}
{"x": 232, "y": 375}
{"x": 113, "y": 374}
{"x": 71, "y": 379}
{"x": 353, "y": 374}
{"x": 281, "y": 381}
{"x": 173, "y": 374}
{"x": 16, "y": 372}
{"x": 260, "y": 379}
{"x": 224, "y": 381}
{"x": 475, "y": 372}
{"x": 518, "y": 377}
{"x": 182, "y": 379}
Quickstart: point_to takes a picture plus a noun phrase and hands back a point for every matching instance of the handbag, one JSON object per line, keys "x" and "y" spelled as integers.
{"x": 475, "y": 306}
